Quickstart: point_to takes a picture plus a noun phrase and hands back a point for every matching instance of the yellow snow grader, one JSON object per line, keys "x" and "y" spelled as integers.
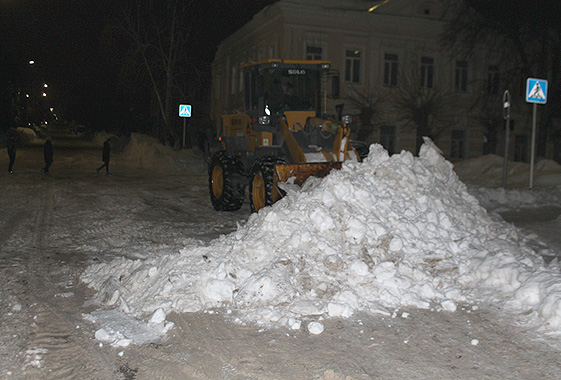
{"x": 280, "y": 137}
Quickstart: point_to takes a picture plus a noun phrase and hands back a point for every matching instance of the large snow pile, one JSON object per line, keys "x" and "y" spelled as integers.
{"x": 488, "y": 171}
{"x": 147, "y": 152}
{"x": 497, "y": 199}
{"x": 29, "y": 136}
{"x": 484, "y": 176}
{"x": 374, "y": 237}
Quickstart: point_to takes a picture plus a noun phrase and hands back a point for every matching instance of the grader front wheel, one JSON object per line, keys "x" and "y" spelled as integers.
{"x": 264, "y": 189}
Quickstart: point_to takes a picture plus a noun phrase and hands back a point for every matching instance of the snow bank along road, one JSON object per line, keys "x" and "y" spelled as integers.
{"x": 52, "y": 228}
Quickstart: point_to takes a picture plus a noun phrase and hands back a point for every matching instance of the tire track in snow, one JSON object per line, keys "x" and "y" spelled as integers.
{"x": 12, "y": 216}
{"x": 67, "y": 353}
{"x": 43, "y": 218}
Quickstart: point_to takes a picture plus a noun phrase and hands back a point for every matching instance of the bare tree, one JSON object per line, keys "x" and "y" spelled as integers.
{"x": 369, "y": 103}
{"x": 157, "y": 33}
{"x": 493, "y": 125}
{"x": 421, "y": 106}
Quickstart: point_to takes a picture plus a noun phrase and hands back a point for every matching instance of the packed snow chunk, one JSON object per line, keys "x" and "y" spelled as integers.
{"x": 159, "y": 316}
{"x": 115, "y": 338}
{"x": 339, "y": 310}
{"x": 101, "y": 334}
{"x": 121, "y": 330}
{"x": 158, "y": 322}
{"x": 295, "y": 324}
{"x": 356, "y": 231}
{"x": 529, "y": 294}
{"x": 260, "y": 290}
{"x": 343, "y": 305}
{"x": 385, "y": 271}
{"x": 218, "y": 289}
{"x": 449, "y": 305}
{"x": 218, "y": 292}
{"x": 396, "y": 244}
{"x": 315, "y": 328}
{"x": 360, "y": 268}
{"x": 322, "y": 220}
{"x": 377, "y": 155}
{"x": 306, "y": 307}
{"x": 551, "y": 310}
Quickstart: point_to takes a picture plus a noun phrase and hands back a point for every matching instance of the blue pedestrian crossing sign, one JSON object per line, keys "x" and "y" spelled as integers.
{"x": 184, "y": 110}
{"x": 536, "y": 91}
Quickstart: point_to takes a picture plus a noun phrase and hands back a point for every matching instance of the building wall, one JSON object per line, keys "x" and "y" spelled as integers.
{"x": 408, "y": 29}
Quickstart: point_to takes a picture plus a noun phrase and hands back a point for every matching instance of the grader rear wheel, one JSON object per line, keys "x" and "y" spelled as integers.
{"x": 225, "y": 193}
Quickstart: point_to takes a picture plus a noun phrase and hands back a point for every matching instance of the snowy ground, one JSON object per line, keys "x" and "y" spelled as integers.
{"x": 414, "y": 282}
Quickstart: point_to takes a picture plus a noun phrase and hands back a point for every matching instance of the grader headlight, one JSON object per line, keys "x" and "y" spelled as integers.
{"x": 264, "y": 120}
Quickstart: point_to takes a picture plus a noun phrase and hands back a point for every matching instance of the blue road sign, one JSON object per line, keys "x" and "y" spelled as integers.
{"x": 184, "y": 110}
{"x": 536, "y": 91}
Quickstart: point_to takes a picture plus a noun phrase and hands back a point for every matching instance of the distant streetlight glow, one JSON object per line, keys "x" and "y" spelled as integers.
{"x": 45, "y": 85}
{"x": 44, "y": 94}
{"x": 31, "y": 62}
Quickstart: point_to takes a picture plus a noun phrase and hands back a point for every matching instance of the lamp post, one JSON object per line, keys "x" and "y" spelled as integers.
{"x": 506, "y": 115}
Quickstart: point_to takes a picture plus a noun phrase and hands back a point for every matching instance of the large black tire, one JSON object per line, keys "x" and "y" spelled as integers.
{"x": 263, "y": 187}
{"x": 225, "y": 193}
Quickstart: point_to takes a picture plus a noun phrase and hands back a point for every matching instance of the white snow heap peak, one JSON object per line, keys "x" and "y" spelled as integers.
{"x": 389, "y": 232}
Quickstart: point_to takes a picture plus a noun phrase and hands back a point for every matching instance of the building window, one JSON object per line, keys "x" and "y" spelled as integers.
{"x": 427, "y": 72}
{"x": 388, "y": 138}
{"x": 458, "y": 143}
{"x": 352, "y": 66}
{"x": 521, "y": 148}
{"x": 461, "y": 76}
{"x": 390, "y": 69}
{"x": 493, "y": 80}
{"x": 314, "y": 53}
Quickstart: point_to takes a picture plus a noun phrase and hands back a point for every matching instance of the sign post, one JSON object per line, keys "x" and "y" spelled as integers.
{"x": 184, "y": 112}
{"x": 506, "y": 115}
{"x": 536, "y": 93}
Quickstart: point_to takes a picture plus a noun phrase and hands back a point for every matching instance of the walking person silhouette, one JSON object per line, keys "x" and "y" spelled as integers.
{"x": 48, "y": 155}
{"x": 11, "y": 145}
{"x": 105, "y": 156}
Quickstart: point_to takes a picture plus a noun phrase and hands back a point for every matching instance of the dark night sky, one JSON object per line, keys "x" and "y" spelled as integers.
{"x": 64, "y": 37}
{"x": 62, "y": 33}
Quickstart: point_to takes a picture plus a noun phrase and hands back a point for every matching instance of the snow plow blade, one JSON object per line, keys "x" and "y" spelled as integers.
{"x": 301, "y": 172}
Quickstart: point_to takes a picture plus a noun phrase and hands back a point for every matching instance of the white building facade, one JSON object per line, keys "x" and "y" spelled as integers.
{"x": 384, "y": 53}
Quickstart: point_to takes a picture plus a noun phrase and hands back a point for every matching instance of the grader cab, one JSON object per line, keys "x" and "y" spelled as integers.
{"x": 280, "y": 137}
